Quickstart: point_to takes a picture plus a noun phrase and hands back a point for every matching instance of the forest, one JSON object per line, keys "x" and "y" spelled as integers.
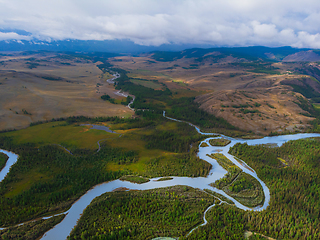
{"x": 294, "y": 206}
{"x": 3, "y": 160}
{"x": 48, "y": 179}
{"x": 143, "y": 214}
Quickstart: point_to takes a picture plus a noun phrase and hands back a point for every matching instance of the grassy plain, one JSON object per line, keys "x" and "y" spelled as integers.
{"x": 61, "y": 133}
{"x": 56, "y": 87}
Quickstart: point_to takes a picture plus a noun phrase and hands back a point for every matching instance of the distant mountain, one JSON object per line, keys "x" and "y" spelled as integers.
{"x": 249, "y": 53}
{"x": 303, "y": 56}
{"x": 165, "y": 52}
{"x": 114, "y": 46}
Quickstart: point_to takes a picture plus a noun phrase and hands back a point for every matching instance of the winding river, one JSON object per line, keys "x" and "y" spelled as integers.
{"x": 63, "y": 229}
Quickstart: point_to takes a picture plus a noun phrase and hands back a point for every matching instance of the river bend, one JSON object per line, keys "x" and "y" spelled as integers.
{"x": 63, "y": 229}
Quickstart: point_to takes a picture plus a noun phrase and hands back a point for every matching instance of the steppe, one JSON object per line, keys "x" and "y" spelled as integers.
{"x": 41, "y": 86}
{"x": 250, "y": 99}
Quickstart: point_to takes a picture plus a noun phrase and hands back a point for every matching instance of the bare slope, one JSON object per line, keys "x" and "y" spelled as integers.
{"x": 249, "y": 95}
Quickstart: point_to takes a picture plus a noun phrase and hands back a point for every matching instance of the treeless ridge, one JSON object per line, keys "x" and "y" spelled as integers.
{"x": 221, "y": 85}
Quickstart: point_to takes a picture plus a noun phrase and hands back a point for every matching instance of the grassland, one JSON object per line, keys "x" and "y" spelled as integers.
{"x": 218, "y": 85}
{"x": 61, "y": 133}
{"x": 3, "y": 160}
{"x": 164, "y": 212}
{"x": 53, "y": 90}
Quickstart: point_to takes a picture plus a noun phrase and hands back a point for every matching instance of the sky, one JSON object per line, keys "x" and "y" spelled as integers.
{"x": 271, "y": 23}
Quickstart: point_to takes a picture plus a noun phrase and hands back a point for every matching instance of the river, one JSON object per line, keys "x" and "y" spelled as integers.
{"x": 63, "y": 229}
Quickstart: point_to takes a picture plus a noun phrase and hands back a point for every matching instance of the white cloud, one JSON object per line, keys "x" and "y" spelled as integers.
{"x": 12, "y": 35}
{"x": 151, "y": 22}
{"x": 264, "y": 30}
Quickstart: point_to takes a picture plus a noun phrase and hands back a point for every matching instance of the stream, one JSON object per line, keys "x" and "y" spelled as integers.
{"x": 63, "y": 229}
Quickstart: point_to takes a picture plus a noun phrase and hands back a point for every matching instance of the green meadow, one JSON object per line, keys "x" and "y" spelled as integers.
{"x": 67, "y": 135}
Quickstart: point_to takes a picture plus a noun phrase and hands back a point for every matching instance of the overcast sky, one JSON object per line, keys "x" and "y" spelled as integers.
{"x": 293, "y": 23}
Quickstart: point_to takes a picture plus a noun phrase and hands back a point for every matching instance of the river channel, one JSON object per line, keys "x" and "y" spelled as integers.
{"x": 63, "y": 229}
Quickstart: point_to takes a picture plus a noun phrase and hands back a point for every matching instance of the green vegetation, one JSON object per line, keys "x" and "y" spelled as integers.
{"x": 294, "y": 206}
{"x": 241, "y": 106}
{"x": 147, "y": 214}
{"x": 233, "y": 170}
{"x": 246, "y": 190}
{"x": 135, "y": 179}
{"x": 154, "y": 84}
{"x": 174, "y": 141}
{"x": 204, "y": 144}
{"x": 224, "y": 222}
{"x": 257, "y": 104}
{"x": 30, "y": 230}
{"x": 186, "y": 109}
{"x": 237, "y": 184}
{"x": 146, "y": 98}
{"x": 127, "y": 101}
{"x": 3, "y": 160}
{"x": 165, "y": 179}
{"x": 219, "y": 142}
{"x": 180, "y": 108}
{"x": 258, "y": 67}
{"x": 219, "y": 196}
{"x": 183, "y": 164}
{"x": 47, "y": 179}
{"x": 71, "y": 136}
{"x": 106, "y": 97}
{"x": 293, "y": 212}
{"x": 32, "y": 65}
{"x": 270, "y": 106}
{"x": 25, "y": 112}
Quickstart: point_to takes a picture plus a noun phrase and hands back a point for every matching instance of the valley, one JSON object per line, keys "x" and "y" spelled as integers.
{"x": 210, "y": 125}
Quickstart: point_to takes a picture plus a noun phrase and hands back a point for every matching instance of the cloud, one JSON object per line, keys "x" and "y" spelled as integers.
{"x": 13, "y": 35}
{"x": 148, "y": 22}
